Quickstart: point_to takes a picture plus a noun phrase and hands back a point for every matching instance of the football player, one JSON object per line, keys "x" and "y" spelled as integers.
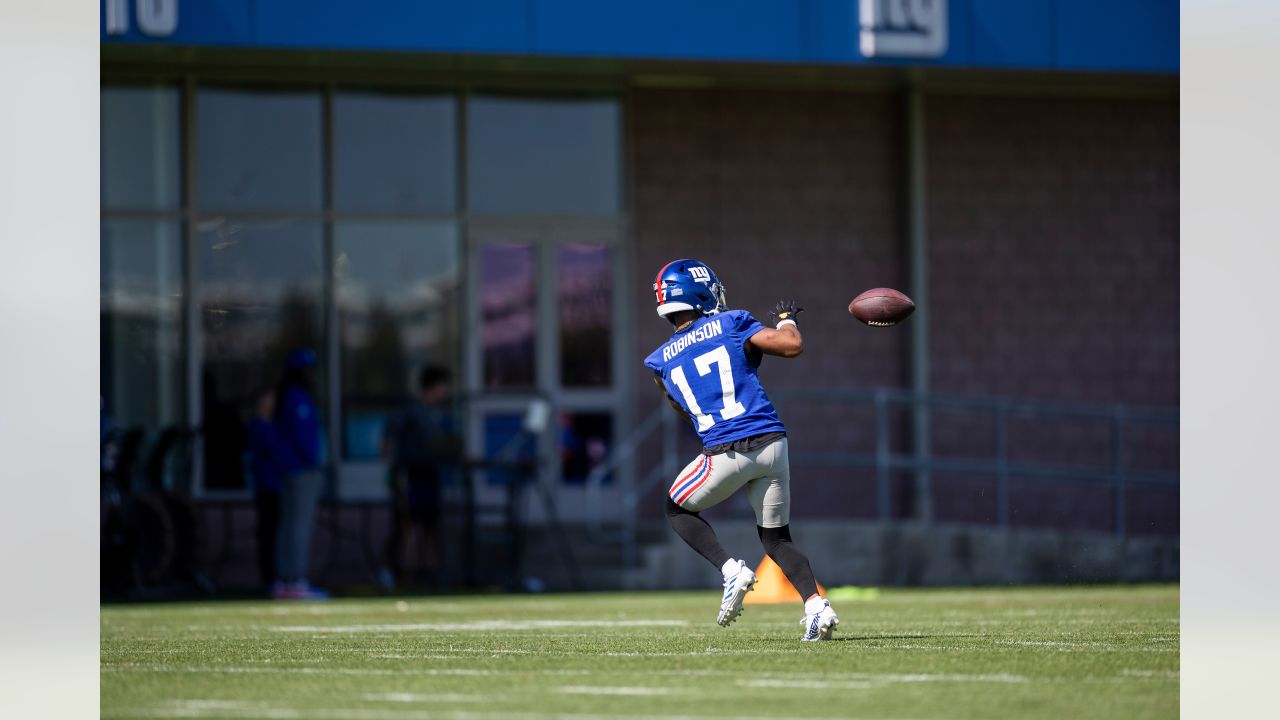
{"x": 707, "y": 370}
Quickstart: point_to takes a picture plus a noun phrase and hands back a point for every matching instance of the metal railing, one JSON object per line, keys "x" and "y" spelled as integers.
{"x": 1115, "y": 473}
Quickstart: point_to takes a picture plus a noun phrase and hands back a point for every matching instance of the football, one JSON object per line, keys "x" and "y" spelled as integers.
{"x": 881, "y": 307}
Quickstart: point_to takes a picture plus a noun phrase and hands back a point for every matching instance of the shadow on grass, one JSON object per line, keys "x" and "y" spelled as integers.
{"x": 864, "y": 638}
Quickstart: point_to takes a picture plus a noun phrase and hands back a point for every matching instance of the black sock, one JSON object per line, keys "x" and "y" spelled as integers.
{"x": 777, "y": 542}
{"x": 697, "y": 534}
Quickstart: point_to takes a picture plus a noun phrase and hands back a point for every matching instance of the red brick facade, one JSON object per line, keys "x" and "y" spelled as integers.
{"x": 1053, "y": 231}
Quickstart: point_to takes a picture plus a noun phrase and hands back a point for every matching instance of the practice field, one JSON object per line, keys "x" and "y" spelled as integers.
{"x": 1108, "y": 652}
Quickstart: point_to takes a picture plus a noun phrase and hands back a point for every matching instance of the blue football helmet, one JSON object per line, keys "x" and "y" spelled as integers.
{"x": 688, "y": 285}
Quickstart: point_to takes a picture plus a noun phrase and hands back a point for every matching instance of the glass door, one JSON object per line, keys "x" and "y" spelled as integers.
{"x": 547, "y": 316}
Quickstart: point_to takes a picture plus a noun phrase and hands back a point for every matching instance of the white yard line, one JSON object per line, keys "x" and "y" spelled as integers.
{"x": 802, "y": 684}
{"x": 401, "y": 697}
{"x": 1090, "y": 646}
{"x": 479, "y": 625}
{"x": 612, "y": 690}
{"x": 1156, "y": 674}
{"x": 862, "y": 681}
{"x": 199, "y": 709}
{"x": 405, "y": 672}
{"x": 235, "y": 670}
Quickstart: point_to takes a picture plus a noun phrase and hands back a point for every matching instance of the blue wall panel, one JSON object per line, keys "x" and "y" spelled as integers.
{"x": 1111, "y": 35}
{"x": 763, "y": 30}
{"x": 1102, "y": 35}
{"x": 1006, "y": 34}
{"x": 831, "y": 31}
{"x": 498, "y": 26}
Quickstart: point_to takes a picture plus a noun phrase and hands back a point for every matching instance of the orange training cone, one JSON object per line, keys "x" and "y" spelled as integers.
{"x": 772, "y": 587}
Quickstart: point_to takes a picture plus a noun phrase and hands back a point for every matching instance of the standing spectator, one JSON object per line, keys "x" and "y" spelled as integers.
{"x": 297, "y": 421}
{"x": 224, "y": 437}
{"x": 267, "y": 460}
{"x": 421, "y": 444}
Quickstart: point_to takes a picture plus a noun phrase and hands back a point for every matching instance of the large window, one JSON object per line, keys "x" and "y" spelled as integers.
{"x": 397, "y": 249}
{"x": 258, "y": 150}
{"x": 398, "y": 309}
{"x": 260, "y": 254}
{"x": 394, "y": 154}
{"x": 543, "y": 157}
{"x": 143, "y": 349}
{"x": 363, "y": 225}
{"x": 260, "y": 298}
{"x": 544, "y": 198}
{"x": 140, "y": 148}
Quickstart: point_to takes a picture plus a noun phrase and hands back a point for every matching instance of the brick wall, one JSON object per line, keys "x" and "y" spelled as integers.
{"x": 1053, "y": 230}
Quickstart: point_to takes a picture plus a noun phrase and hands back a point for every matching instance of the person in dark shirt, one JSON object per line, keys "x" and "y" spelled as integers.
{"x": 224, "y": 437}
{"x": 421, "y": 445}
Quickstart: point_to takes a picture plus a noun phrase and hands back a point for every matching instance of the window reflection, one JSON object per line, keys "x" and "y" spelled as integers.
{"x": 543, "y": 156}
{"x": 258, "y": 150}
{"x": 142, "y": 355}
{"x": 509, "y": 446}
{"x": 140, "y": 148}
{"x": 585, "y": 439}
{"x": 398, "y": 303}
{"x": 260, "y": 298}
{"x": 509, "y": 314}
{"x": 584, "y": 302}
{"x": 394, "y": 153}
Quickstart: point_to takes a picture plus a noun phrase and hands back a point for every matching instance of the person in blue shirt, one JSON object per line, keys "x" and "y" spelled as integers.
{"x": 298, "y": 429}
{"x": 707, "y": 370}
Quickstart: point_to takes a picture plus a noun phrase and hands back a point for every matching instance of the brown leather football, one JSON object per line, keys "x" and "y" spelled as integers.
{"x": 881, "y": 307}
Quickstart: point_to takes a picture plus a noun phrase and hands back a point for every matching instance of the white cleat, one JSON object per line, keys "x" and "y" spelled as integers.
{"x": 819, "y": 620}
{"x": 736, "y": 588}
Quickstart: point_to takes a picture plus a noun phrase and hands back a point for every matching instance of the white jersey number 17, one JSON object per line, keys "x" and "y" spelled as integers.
{"x": 731, "y": 407}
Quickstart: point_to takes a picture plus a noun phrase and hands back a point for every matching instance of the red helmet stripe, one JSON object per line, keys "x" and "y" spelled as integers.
{"x": 662, "y": 292}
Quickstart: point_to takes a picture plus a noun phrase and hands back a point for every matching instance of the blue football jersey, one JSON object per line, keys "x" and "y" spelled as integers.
{"x": 706, "y": 370}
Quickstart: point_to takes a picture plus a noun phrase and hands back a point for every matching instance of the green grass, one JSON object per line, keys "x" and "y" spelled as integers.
{"x": 1075, "y": 652}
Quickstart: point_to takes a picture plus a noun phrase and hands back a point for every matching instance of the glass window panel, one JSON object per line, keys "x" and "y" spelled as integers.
{"x": 585, "y": 304}
{"x": 140, "y": 151}
{"x": 258, "y": 150}
{"x": 543, "y": 156}
{"x": 260, "y": 298}
{"x": 394, "y": 153}
{"x": 508, "y": 306}
{"x": 585, "y": 438}
{"x": 142, "y": 358}
{"x": 398, "y": 311}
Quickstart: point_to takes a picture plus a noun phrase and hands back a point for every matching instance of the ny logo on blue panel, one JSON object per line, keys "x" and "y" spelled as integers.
{"x": 903, "y": 28}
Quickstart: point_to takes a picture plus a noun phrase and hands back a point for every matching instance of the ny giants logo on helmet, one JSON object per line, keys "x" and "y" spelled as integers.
{"x": 688, "y": 285}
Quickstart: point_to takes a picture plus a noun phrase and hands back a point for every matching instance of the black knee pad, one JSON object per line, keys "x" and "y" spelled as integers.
{"x": 673, "y": 509}
{"x": 771, "y": 538}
